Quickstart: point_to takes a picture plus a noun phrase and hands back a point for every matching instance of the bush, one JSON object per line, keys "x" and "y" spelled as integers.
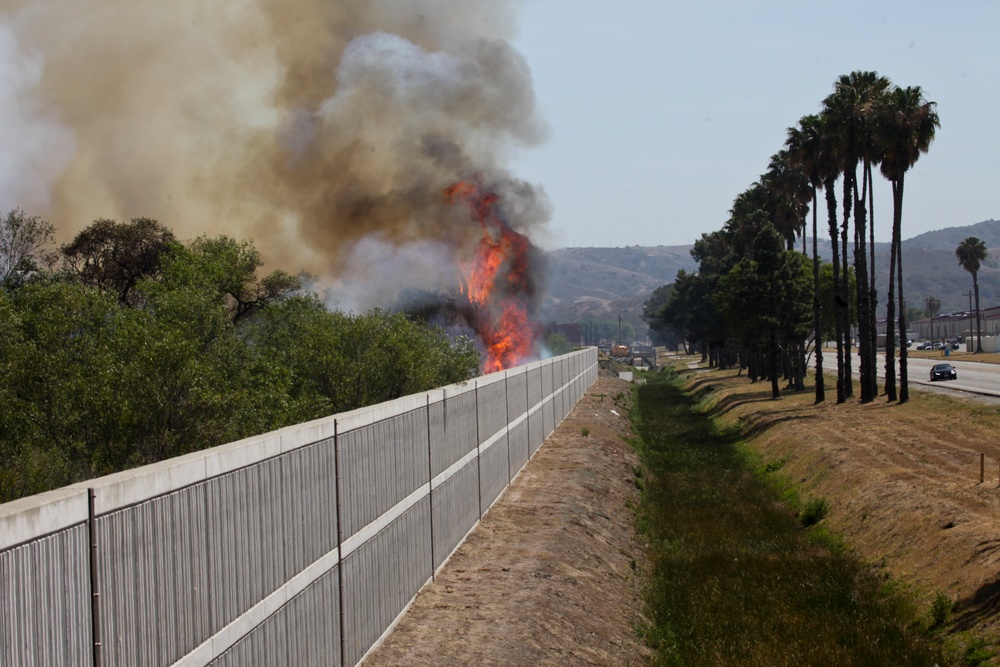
{"x": 814, "y": 512}
{"x": 940, "y": 609}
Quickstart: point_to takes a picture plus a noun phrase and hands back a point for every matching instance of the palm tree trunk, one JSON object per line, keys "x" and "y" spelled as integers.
{"x": 831, "y": 208}
{"x": 845, "y": 290}
{"x": 866, "y": 353}
{"x": 890, "y": 326}
{"x": 897, "y": 224}
{"x": 873, "y": 295}
{"x": 817, "y": 320}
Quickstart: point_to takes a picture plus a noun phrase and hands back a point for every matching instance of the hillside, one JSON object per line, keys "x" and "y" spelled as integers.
{"x": 601, "y": 283}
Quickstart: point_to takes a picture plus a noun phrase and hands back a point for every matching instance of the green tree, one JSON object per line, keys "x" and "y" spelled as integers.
{"x": 766, "y": 298}
{"x": 557, "y": 344}
{"x": 115, "y": 256}
{"x": 971, "y": 253}
{"x": 906, "y": 127}
{"x": 23, "y": 243}
{"x": 90, "y": 386}
{"x": 227, "y": 268}
{"x": 653, "y": 308}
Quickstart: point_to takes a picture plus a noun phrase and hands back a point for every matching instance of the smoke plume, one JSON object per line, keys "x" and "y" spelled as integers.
{"x": 306, "y": 125}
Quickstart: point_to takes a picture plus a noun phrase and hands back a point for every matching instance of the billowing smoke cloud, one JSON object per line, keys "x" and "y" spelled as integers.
{"x": 306, "y": 125}
{"x": 35, "y": 145}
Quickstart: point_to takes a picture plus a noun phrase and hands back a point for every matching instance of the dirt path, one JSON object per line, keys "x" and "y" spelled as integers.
{"x": 550, "y": 575}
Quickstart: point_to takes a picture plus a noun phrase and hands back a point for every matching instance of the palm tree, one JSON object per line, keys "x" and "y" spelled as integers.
{"x": 807, "y": 146}
{"x": 971, "y": 252}
{"x": 906, "y": 127}
{"x": 851, "y": 110}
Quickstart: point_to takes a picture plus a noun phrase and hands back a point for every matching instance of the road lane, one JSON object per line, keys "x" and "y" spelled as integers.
{"x": 973, "y": 376}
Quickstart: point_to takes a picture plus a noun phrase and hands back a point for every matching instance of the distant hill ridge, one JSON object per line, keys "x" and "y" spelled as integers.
{"x": 595, "y": 283}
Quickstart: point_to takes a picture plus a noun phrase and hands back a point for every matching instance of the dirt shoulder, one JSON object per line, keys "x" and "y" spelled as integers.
{"x": 902, "y": 482}
{"x": 550, "y": 576}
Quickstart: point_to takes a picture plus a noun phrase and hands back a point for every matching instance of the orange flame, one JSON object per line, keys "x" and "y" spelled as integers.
{"x": 497, "y": 281}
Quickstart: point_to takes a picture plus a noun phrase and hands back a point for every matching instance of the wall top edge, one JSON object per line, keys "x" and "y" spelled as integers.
{"x": 139, "y": 484}
{"x": 26, "y": 519}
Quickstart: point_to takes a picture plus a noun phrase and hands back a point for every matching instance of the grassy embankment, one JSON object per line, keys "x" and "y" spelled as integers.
{"x": 741, "y": 579}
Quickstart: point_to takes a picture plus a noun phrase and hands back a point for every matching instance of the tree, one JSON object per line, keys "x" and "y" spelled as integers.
{"x": 227, "y": 268}
{"x": 971, "y": 252}
{"x": 906, "y": 127}
{"x": 851, "y": 111}
{"x": 808, "y": 146}
{"x": 114, "y": 256}
{"x": 766, "y": 297}
{"x": 90, "y": 386}
{"x": 23, "y": 242}
{"x": 653, "y": 315}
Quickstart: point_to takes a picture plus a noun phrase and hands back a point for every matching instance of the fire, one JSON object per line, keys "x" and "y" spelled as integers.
{"x": 497, "y": 280}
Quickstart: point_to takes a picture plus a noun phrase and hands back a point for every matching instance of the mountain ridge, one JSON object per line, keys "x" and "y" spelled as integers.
{"x": 601, "y": 283}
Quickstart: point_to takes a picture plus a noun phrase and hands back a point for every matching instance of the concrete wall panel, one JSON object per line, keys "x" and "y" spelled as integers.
{"x": 491, "y": 399}
{"x": 548, "y": 420}
{"x": 494, "y": 472}
{"x": 153, "y": 574}
{"x": 380, "y": 465}
{"x": 456, "y": 510}
{"x": 453, "y": 429}
{"x": 519, "y": 450}
{"x": 45, "y": 602}
{"x": 305, "y": 631}
{"x": 382, "y": 576}
{"x": 536, "y": 426}
{"x": 309, "y": 504}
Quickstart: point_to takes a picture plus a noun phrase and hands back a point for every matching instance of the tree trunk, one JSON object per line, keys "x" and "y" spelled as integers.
{"x": 772, "y": 364}
{"x": 865, "y": 324}
{"x": 873, "y": 298}
{"x": 897, "y": 224}
{"x": 831, "y": 208}
{"x": 845, "y": 290}
{"x": 890, "y": 326}
{"x": 817, "y": 319}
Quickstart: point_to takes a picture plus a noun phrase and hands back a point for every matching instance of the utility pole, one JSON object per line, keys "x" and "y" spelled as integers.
{"x": 968, "y": 343}
{"x": 930, "y": 309}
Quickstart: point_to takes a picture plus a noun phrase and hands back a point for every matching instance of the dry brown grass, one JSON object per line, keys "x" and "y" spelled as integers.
{"x": 902, "y": 481}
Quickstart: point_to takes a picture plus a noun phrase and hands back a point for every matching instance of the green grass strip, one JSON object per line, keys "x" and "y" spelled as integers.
{"x": 737, "y": 579}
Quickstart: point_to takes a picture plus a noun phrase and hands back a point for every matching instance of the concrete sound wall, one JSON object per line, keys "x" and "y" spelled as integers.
{"x": 300, "y": 546}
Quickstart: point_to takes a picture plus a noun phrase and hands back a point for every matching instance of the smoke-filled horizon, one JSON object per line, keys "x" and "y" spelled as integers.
{"x": 305, "y": 125}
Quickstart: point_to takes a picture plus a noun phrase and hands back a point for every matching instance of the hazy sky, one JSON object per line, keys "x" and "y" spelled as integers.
{"x": 661, "y": 113}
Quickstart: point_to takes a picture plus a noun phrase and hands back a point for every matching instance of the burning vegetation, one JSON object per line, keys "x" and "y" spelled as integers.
{"x": 497, "y": 281}
{"x": 323, "y": 131}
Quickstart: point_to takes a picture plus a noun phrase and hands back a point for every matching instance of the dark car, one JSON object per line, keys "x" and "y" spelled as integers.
{"x": 943, "y": 372}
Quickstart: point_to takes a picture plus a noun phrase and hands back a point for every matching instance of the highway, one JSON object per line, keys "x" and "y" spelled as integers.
{"x": 973, "y": 376}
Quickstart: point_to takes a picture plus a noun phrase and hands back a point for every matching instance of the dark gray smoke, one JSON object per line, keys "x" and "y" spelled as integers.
{"x": 306, "y": 125}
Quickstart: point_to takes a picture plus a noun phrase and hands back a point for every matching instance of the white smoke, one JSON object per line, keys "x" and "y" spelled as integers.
{"x": 36, "y": 146}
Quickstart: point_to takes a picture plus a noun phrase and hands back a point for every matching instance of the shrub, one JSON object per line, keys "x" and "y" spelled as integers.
{"x": 940, "y": 609}
{"x": 814, "y": 512}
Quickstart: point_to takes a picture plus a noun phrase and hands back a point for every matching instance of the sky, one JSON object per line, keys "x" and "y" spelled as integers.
{"x": 660, "y": 113}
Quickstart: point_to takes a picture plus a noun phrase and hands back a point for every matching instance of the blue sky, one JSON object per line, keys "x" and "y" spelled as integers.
{"x": 661, "y": 113}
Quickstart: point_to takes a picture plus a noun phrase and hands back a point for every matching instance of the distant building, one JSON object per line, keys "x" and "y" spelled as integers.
{"x": 957, "y": 325}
